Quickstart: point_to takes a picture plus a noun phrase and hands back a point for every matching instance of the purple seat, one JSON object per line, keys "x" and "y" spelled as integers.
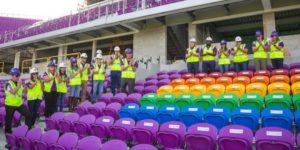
{"x": 163, "y": 82}
{"x": 114, "y": 145}
{"x": 112, "y": 110}
{"x": 67, "y": 141}
{"x": 139, "y": 89}
{"x": 81, "y": 109}
{"x": 82, "y": 126}
{"x": 145, "y": 132}
{"x": 152, "y": 77}
{"x": 52, "y": 121}
{"x": 139, "y": 83}
{"x": 96, "y": 109}
{"x": 174, "y": 76}
{"x": 172, "y": 72}
{"x": 274, "y": 138}
{"x": 48, "y": 138}
{"x": 89, "y": 143}
{"x": 164, "y": 76}
{"x": 66, "y": 124}
{"x": 26, "y": 142}
{"x": 144, "y": 147}
{"x": 201, "y": 136}
{"x": 162, "y": 73}
{"x": 151, "y": 82}
{"x": 171, "y": 135}
{"x": 13, "y": 138}
{"x": 133, "y": 98}
{"x": 235, "y": 137}
{"x": 122, "y": 128}
{"x": 294, "y": 65}
{"x": 119, "y": 98}
{"x": 298, "y": 139}
{"x": 182, "y": 72}
{"x": 106, "y": 98}
{"x": 101, "y": 127}
{"x": 150, "y": 89}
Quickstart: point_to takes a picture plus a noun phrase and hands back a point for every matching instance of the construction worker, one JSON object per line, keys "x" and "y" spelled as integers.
{"x": 260, "y": 56}
{"x": 34, "y": 94}
{"x": 61, "y": 86}
{"x": 84, "y": 75}
{"x": 192, "y": 57}
{"x": 240, "y": 55}
{"x": 13, "y": 100}
{"x": 129, "y": 67}
{"x": 224, "y": 60}
{"x": 115, "y": 67}
{"x": 98, "y": 72}
{"x": 50, "y": 89}
{"x": 277, "y": 51}
{"x": 208, "y": 54}
{"x": 75, "y": 83}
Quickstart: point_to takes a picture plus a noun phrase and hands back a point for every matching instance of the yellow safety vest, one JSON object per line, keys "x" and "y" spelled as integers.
{"x": 260, "y": 53}
{"x": 240, "y": 56}
{"x": 128, "y": 73}
{"x": 209, "y": 50}
{"x": 85, "y": 72}
{"x": 116, "y": 65}
{"x": 13, "y": 99}
{"x": 192, "y": 58}
{"x": 76, "y": 80}
{"x": 276, "y": 53}
{"x": 224, "y": 60}
{"x": 36, "y": 92}
{"x": 100, "y": 75}
{"x": 62, "y": 86}
{"x": 48, "y": 85}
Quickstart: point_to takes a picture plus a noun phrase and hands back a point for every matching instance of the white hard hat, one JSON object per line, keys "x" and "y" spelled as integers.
{"x": 83, "y": 55}
{"x": 193, "y": 40}
{"x": 209, "y": 39}
{"x": 99, "y": 56}
{"x": 117, "y": 48}
{"x": 61, "y": 65}
{"x": 99, "y": 51}
{"x": 33, "y": 70}
{"x": 238, "y": 39}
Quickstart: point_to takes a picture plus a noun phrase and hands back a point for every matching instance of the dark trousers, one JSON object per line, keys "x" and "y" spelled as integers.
{"x": 115, "y": 81}
{"x": 10, "y": 110}
{"x": 208, "y": 67}
{"x": 193, "y": 67}
{"x": 50, "y": 103}
{"x": 33, "y": 109}
{"x": 277, "y": 63}
{"x": 242, "y": 66}
{"x": 128, "y": 82}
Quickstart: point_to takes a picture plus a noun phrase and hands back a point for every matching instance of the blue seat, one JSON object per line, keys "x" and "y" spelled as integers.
{"x": 129, "y": 111}
{"x": 217, "y": 116}
{"x": 297, "y": 120}
{"x": 148, "y": 111}
{"x": 245, "y": 116}
{"x": 277, "y": 117}
{"x": 168, "y": 113}
{"x": 191, "y": 115}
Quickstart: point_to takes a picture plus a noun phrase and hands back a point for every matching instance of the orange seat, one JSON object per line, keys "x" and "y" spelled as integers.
{"x": 166, "y": 89}
{"x": 279, "y": 87}
{"x": 196, "y": 90}
{"x": 177, "y": 82}
{"x": 207, "y": 81}
{"x": 242, "y": 80}
{"x": 257, "y": 88}
{"x": 237, "y": 89}
{"x": 295, "y": 78}
{"x": 280, "y": 78}
{"x": 260, "y": 79}
{"x": 224, "y": 80}
{"x": 192, "y": 81}
{"x": 216, "y": 89}
{"x": 296, "y": 88}
{"x": 181, "y": 89}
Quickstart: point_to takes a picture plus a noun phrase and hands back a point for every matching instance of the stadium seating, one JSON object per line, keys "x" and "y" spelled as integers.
{"x": 257, "y": 88}
{"x": 145, "y": 132}
{"x": 260, "y": 79}
{"x": 224, "y": 81}
{"x": 148, "y": 111}
{"x": 241, "y": 80}
{"x": 196, "y": 90}
{"x": 217, "y": 116}
{"x": 168, "y": 113}
{"x": 216, "y": 89}
{"x": 184, "y": 100}
{"x": 245, "y": 116}
{"x": 278, "y": 100}
{"x": 237, "y": 89}
{"x": 165, "y": 100}
{"x": 171, "y": 135}
{"x": 207, "y": 81}
{"x": 181, "y": 89}
{"x": 205, "y": 101}
{"x": 231, "y": 101}
{"x": 150, "y": 98}
{"x": 279, "y": 87}
{"x": 252, "y": 100}
{"x": 190, "y": 115}
{"x": 277, "y": 117}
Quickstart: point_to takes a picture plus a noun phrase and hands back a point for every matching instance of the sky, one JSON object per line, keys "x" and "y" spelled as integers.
{"x": 42, "y": 9}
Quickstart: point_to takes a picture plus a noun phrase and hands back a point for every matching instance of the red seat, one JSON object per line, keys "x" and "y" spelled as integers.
{"x": 215, "y": 75}
{"x": 280, "y": 72}
{"x": 187, "y": 76}
{"x": 201, "y": 75}
{"x": 262, "y": 73}
{"x": 231, "y": 74}
{"x": 246, "y": 73}
{"x": 295, "y": 71}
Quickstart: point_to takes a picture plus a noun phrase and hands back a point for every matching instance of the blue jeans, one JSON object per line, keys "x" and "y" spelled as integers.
{"x": 193, "y": 67}
{"x": 97, "y": 90}
{"x": 75, "y": 91}
{"x": 242, "y": 66}
{"x": 115, "y": 81}
{"x": 224, "y": 68}
{"x": 33, "y": 109}
{"x": 60, "y": 101}
{"x": 277, "y": 63}
{"x": 208, "y": 67}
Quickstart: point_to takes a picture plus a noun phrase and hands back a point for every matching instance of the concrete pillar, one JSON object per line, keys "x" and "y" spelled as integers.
{"x": 192, "y": 30}
{"x": 17, "y": 60}
{"x": 60, "y": 54}
{"x": 269, "y": 24}
{"x": 94, "y": 48}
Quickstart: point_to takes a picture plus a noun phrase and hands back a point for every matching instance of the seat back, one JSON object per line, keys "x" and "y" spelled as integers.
{"x": 129, "y": 111}
{"x": 168, "y": 113}
{"x": 49, "y": 137}
{"x": 149, "y": 98}
{"x": 145, "y": 132}
{"x": 148, "y": 111}
{"x": 190, "y": 115}
{"x": 114, "y": 145}
{"x": 252, "y": 100}
{"x": 216, "y": 89}
{"x": 278, "y": 100}
{"x": 177, "y": 82}
{"x": 207, "y": 81}
{"x": 166, "y": 89}
{"x": 279, "y": 87}
{"x": 245, "y": 116}
{"x": 101, "y": 126}
{"x": 246, "y": 73}
{"x": 231, "y": 101}
{"x": 237, "y": 89}
{"x": 196, "y": 90}
{"x": 184, "y": 100}
{"x": 192, "y": 81}
{"x": 165, "y": 99}
{"x": 296, "y": 88}
{"x": 217, "y": 116}
{"x": 171, "y": 135}
{"x": 260, "y": 79}
{"x": 205, "y": 100}
{"x": 257, "y": 88}
{"x": 122, "y": 128}
{"x": 89, "y": 143}
{"x": 241, "y": 80}
{"x": 67, "y": 141}
{"x": 181, "y": 89}
{"x": 280, "y": 78}
{"x": 266, "y": 73}
{"x": 224, "y": 81}
{"x": 277, "y": 117}
{"x": 112, "y": 110}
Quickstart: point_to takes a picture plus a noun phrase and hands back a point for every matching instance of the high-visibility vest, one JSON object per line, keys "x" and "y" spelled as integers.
{"x": 100, "y": 74}
{"x": 48, "y": 85}
{"x": 35, "y": 92}
{"x": 192, "y": 58}
{"x": 224, "y": 60}
{"x": 209, "y": 50}
{"x": 276, "y": 53}
{"x": 62, "y": 86}
{"x": 13, "y": 99}
{"x": 260, "y": 53}
{"x": 240, "y": 56}
{"x": 85, "y": 72}
{"x": 116, "y": 65}
{"x": 76, "y": 80}
{"x": 128, "y": 73}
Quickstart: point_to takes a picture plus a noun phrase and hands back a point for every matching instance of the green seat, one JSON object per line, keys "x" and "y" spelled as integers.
{"x": 150, "y": 98}
{"x": 165, "y": 99}
{"x": 278, "y": 100}
{"x": 296, "y": 101}
{"x": 205, "y": 100}
{"x": 229, "y": 100}
{"x": 252, "y": 100}
{"x": 184, "y": 100}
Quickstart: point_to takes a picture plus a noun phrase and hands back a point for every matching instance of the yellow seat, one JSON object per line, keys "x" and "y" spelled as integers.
{"x": 296, "y": 88}
{"x": 241, "y": 80}
{"x": 181, "y": 89}
{"x": 192, "y": 81}
{"x": 207, "y": 81}
{"x": 224, "y": 81}
{"x": 196, "y": 90}
{"x": 236, "y": 88}
{"x": 166, "y": 89}
{"x": 279, "y": 87}
{"x": 177, "y": 82}
{"x": 257, "y": 88}
{"x": 216, "y": 89}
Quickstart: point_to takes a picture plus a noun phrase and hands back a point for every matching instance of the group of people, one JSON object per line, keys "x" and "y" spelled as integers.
{"x": 52, "y": 85}
{"x": 261, "y": 48}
